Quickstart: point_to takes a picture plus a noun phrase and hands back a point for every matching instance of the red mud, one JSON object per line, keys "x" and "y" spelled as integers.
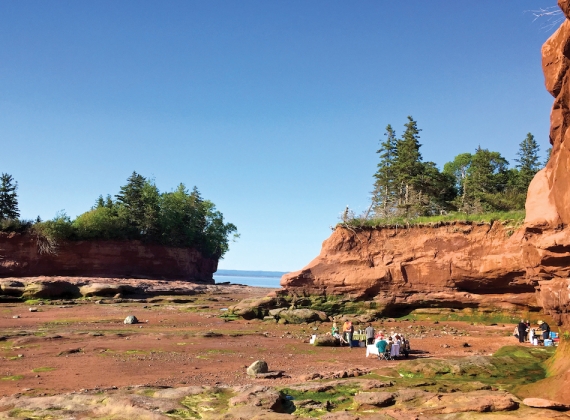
{"x": 168, "y": 348}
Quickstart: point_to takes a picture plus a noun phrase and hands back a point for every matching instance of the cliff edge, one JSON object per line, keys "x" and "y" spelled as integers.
{"x": 21, "y": 256}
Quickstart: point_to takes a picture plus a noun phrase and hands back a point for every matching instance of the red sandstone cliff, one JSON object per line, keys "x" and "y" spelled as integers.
{"x": 462, "y": 265}
{"x": 19, "y": 257}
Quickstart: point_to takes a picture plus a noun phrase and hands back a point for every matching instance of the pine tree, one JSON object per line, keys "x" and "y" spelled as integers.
{"x": 458, "y": 168}
{"x": 528, "y": 162}
{"x": 384, "y": 186}
{"x": 486, "y": 177}
{"x": 407, "y": 164}
{"x": 8, "y": 197}
{"x": 99, "y": 202}
{"x": 547, "y": 158}
{"x": 131, "y": 203}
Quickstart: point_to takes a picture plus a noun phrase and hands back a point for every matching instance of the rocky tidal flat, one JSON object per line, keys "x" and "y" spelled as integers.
{"x": 186, "y": 358}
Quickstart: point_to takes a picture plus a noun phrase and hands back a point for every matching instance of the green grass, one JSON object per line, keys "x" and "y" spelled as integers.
{"x": 43, "y": 369}
{"x": 12, "y": 378}
{"x": 510, "y": 218}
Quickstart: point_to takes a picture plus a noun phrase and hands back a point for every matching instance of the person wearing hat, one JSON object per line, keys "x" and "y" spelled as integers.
{"x": 545, "y": 328}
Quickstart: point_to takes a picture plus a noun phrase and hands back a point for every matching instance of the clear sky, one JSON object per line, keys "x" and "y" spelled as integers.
{"x": 274, "y": 109}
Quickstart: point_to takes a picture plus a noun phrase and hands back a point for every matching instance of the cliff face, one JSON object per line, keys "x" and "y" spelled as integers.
{"x": 452, "y": 265}
{"x": 20, "y": 257}
{"x": 463, "y": 265}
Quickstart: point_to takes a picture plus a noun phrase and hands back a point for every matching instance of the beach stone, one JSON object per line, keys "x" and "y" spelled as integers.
{"x": 326, "y": 341}
{"x": 100, "y": 289}
{"x": 376, "y": 399}
{"x": 131, "y": 319}
{"x": 257, "y": 396}
{"x": 477, "y": 401}
{"x": 298, "y": 316}
{"x": 12, "y": 288}
{"x": 543, "y": 403}
{"x": 257, "y": 367}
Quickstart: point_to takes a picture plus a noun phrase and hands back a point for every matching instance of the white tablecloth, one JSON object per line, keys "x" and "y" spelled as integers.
{"x": 395, "y": 351}
{"x": 371, "y": 349}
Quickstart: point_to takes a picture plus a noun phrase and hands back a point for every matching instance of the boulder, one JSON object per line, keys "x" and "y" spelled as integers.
{"x": 257, "y": 367}
{"x": 50, "y": 290}
{"x": 298, "y": 316}
{"x": 543, "y": 403}
{"x": 253, "y": 308}
{"x": 376, "y": 399}
{"x": 326, "y": 341}
{"x": 12, "y": 288}
{"x": 100, "y": 289}
{"x": 131, "y": 319}
{"x": 257, "y": 396}
{"x": 477, "y": 401}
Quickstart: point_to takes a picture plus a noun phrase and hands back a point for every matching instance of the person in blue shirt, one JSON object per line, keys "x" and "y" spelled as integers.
{"x": 381, "y": 346}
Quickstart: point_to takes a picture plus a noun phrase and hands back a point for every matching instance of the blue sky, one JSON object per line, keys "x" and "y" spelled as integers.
{"x": 274, "y": 109}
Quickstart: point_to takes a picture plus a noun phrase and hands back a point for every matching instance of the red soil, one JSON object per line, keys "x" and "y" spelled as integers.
{"x": 167, "y": 347}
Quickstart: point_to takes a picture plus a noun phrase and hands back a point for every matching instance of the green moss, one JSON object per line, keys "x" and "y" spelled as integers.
{"x": 13, "y": 378}
{"x": 484, "y": 317}
{"x": 43, "y": 369}
{"x": 338, "y": 398}
{"x": 197, "y": 405}
{"x": 508, "y": 368}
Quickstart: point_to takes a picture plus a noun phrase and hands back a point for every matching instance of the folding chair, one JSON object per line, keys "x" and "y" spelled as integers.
{"x": 385, "y": 355}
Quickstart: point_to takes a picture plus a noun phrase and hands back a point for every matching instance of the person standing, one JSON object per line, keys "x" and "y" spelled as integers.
{"x": 369, "y": 334}
{"x": 522, "y": 330}
{"x": 348, "y": 330}
{"x": 545, "y": 328}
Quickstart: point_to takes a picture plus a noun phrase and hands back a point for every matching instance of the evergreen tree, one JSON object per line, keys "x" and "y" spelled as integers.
{"x": 528, "y": 162}
{"x": 99, "y": 203}
{"x": 547, "y": 158}
{"x": 8, "y": 197}
{"x": 131, "y": 203}
{"x": 384, "y": 184}
{"x": 407, "y": 164}
{"x": 486, "y": 177}
{"x": 458, "y": 170}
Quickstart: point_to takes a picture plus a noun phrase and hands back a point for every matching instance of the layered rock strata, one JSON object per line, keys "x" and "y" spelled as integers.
{"x": 21, "y": 256}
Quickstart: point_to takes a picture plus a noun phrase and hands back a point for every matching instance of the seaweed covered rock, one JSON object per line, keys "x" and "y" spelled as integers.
{"x": 298, "y": 316}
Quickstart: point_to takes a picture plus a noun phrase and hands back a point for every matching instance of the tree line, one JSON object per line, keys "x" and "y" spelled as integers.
{"x": 180, "y": 218}
{"x": 473, "y": 183}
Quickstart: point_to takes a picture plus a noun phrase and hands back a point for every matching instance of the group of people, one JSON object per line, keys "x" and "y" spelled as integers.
{"x": 526, "y": 333}
{"x": 382, "y": 342}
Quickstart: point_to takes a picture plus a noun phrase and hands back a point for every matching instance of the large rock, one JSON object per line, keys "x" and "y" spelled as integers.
{"x": 298, "y": 316}
{"x": 50, "y": 290}
{"x": 254, "y": 308}
{"x": 257, "y": 396}
{"x": 376, "y": 399}
{"x": 477, "y": 401}
{"x": 543, "y": 403}
{"x": 257, "y": 367}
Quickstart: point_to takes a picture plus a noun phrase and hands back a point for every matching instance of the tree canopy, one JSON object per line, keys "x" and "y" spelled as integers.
{"x": 179, "y": 218}
{"x": 478, "y": 182}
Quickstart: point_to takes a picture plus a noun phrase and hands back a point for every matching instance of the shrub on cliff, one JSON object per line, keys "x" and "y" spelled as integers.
{"x": 178, "y": 219}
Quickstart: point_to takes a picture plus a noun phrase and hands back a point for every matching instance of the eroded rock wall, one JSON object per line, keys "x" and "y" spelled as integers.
{"x": 20, "y": 257}
{"x": 462, "y": 265}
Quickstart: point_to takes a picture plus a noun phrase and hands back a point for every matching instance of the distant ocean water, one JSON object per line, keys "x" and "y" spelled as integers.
{"x": 249, "y": 280}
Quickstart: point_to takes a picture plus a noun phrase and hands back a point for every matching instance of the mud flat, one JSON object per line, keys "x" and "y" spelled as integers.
{"x": 186, "y": 358}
